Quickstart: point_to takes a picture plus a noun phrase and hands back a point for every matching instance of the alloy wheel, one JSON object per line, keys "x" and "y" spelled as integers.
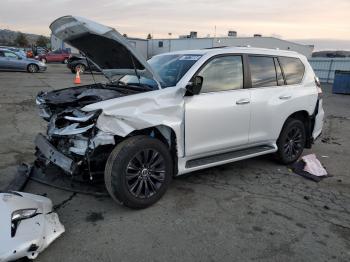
{"x": 32, "y": 68}
{"x": 145, "y": 173}
{"x": 293, "y": 143}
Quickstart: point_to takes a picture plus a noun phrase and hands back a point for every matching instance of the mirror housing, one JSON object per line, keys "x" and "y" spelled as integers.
{"x": 19, "y": 58}
{"x": 195, "y": 86}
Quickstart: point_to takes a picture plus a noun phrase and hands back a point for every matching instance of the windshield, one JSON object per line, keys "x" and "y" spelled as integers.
{"x": 170, "y": 68}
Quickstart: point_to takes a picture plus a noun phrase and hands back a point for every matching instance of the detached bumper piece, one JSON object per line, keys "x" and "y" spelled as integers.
{"x": 28, "y": 225}
{"x": 53, "y": 155}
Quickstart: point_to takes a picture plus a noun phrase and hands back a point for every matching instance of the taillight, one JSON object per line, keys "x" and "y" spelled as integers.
{"x": 318, "y": 85}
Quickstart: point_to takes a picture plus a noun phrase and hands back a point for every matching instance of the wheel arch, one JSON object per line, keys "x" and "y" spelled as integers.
{"x": 309, "y": 122}
{"x": 37, "y": 67}
{"x": 166, "y": 135}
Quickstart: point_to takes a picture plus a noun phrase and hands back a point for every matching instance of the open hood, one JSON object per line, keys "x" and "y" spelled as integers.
{"x": 107, "y": 48}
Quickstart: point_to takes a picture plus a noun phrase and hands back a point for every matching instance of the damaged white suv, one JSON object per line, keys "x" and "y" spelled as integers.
{"x": 176, "y": 113}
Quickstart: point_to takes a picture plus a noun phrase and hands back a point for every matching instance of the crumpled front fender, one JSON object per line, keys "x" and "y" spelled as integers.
{"x": 123, "y": 115}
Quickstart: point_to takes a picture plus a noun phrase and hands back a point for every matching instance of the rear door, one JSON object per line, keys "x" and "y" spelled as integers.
{"x": 218, "y": 118}
{"x": 273, "y": 96}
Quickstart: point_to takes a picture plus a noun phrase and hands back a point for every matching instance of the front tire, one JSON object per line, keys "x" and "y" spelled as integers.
{"x": 291, "y": 141}
{"x": 138, "y": 171}
{"x": 32, "y": 68}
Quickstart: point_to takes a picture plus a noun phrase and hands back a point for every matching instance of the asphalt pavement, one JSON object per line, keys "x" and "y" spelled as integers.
{"x": 252, "y": 210}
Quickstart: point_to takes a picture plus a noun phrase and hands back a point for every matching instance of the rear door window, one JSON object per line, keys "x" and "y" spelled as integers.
{"x": 10, "y": 55}
{"x": 293, "y": 69}
{"x": 262, "y": 70}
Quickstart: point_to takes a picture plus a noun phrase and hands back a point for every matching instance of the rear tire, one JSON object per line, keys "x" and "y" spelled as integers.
{"x": 138, "y": 171}
{"x": 32, "y": 68}
{"x": 291, "y": 141}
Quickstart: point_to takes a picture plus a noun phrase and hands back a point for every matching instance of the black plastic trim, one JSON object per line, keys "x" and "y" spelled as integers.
{"x": 227, "y": 156}
{"x": 53, "y": 155}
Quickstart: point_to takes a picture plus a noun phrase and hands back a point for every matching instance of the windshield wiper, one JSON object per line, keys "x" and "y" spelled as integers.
{"x": 133, "y": 86}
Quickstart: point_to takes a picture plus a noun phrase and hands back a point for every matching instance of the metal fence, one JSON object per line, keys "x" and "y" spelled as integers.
{"x": 325, "y": 67}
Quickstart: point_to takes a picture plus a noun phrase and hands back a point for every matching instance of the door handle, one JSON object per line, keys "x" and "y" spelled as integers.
{"x": 285, "y": 97}
{"x": 243, "y": 101}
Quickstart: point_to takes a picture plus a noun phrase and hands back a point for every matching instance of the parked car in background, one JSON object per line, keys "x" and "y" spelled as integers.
{"x": 58, "y": 55}
{"x": 18, "y": 51}
{"x": 10, "y": 61}
{"x": 80, "y": 62}
{"x": 38, "y": 50}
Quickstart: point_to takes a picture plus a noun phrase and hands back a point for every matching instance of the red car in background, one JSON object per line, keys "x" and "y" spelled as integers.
{"x": 54, "y": 56}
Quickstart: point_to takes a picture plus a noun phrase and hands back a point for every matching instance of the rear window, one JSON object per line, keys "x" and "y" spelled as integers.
{"x": 293, "y": 69}
{"x": 263, "y": 72}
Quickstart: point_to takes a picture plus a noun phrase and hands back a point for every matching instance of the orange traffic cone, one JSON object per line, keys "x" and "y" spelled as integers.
{"x": 77, "y": 78}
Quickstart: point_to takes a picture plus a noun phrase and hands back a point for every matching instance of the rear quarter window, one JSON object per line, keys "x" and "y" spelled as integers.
{"x": 293, "y": 69}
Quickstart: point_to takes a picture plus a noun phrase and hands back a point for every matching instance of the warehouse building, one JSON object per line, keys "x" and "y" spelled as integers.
{"x": 158, "y": 46}
{"x": 151, "y": 47}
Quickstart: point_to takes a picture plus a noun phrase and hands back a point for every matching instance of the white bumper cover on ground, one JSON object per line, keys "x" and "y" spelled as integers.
{"x": 29, "y": 236}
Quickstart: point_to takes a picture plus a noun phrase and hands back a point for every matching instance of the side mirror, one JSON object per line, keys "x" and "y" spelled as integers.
{"x": 19, "y": 58}
{"x": 195, "y": 86}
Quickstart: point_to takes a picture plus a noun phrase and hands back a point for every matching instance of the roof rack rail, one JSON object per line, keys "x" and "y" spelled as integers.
{"x": 216, "y": 47}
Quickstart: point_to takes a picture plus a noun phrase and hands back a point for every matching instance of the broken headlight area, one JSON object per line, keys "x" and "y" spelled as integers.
{"x": 74, "y": 144}
{"x": 19, "y": 215}
{"x": 72, "y": 122}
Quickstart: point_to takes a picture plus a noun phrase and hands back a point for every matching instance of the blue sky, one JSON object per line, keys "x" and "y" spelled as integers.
{"x": 325, "y": 23}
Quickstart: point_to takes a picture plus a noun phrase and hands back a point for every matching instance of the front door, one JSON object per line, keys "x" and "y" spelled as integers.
{"x": 218, "y": 118}
{"x": 12, "y": 61}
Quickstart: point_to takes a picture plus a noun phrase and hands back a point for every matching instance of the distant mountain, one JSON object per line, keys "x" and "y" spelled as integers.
{"x": 7, "y": 37}
{"x": 331, "y": 54}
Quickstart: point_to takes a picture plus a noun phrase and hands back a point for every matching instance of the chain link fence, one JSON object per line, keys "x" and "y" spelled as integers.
{"x": 325, "y": 67}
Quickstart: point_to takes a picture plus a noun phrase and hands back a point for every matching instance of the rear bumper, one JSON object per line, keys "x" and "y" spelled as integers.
{"x": 319, "y": 118}
{"x": 53, "y": 155}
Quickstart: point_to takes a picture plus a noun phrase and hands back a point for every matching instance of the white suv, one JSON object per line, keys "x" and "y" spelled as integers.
{"x": 176, "y": 113}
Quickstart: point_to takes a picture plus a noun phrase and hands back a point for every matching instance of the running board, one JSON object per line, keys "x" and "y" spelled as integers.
{"x": 230, "y": 156}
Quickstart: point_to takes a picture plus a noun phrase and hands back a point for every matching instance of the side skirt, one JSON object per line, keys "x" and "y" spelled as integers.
{"x": 223, "y": 158}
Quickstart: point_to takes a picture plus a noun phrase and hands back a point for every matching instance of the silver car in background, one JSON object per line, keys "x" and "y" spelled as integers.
{"x": 10, "y": 61}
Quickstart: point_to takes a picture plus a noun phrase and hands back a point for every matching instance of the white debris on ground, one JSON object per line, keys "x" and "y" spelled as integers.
{"x": 313, "y": 165}
{"x": 28, "y": 225}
